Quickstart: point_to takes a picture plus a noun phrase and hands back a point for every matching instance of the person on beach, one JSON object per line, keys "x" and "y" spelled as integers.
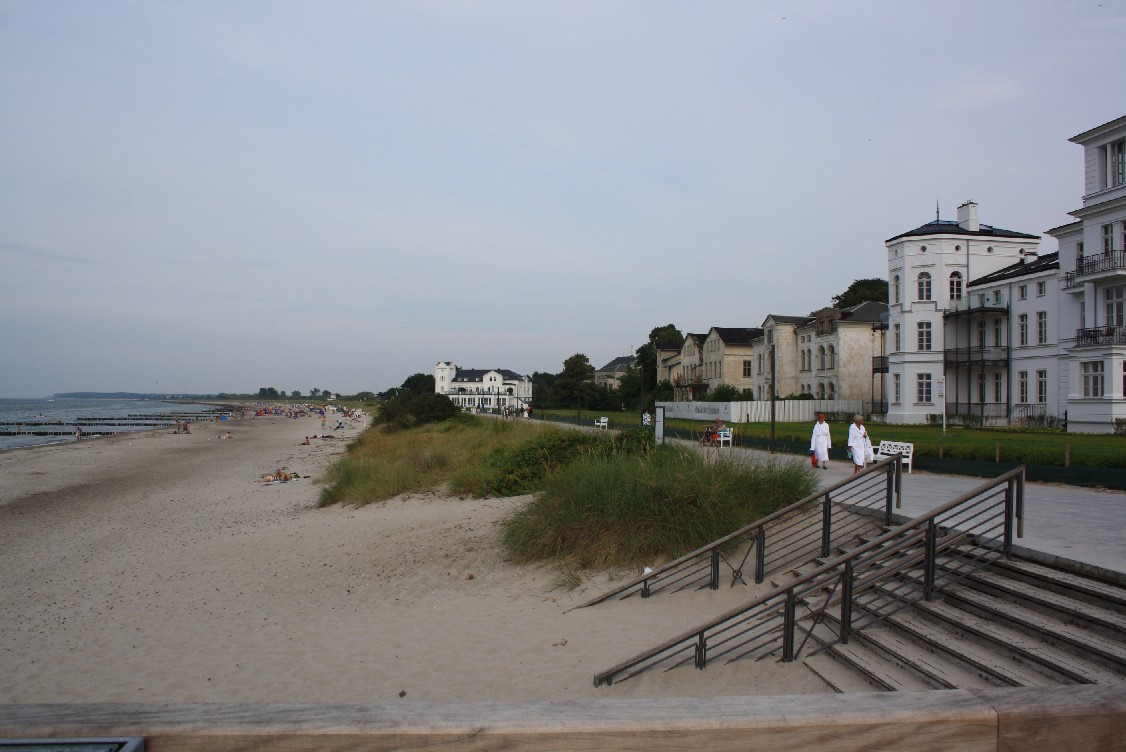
{"x": 859, "y": 444}
{"x": 78, "y": 433}
{"x": 820, "y": 442}
{"x": 305, "y": 442}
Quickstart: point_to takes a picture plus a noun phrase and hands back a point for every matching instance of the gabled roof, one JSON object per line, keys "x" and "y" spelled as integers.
{"x": 618, "y": 364}
{"x": 950, "y": 227}
{"x": 1022, "y": 268}
{"x": 788, "y": 319}
{"x": 868, "y": 311}
{"x": 737, "y": 335}
{"x": 476, "y": 374}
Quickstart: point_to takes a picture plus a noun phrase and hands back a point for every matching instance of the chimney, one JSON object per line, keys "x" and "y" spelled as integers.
{"x": 967, "y": 216}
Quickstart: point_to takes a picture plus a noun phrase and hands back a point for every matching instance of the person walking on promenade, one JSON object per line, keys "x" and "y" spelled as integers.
{"x": 820, "y": 442}
{"x": 859, "y": 444}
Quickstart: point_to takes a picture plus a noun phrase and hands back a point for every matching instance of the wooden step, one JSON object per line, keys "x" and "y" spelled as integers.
{"x": 1020, "y": 646}
{"x": 1070, "y": 584}
{"x": 978, "y": 657}
{"x": 1052, "y": 629}
{"x": 840, "y": 677}
{"x": 1065, "y": 607}
{"x": 933, "y": 667}
{"x": 881, "y": 673}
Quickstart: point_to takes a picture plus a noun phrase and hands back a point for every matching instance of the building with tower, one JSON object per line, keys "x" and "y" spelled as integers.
{"x": 469, "y": 388}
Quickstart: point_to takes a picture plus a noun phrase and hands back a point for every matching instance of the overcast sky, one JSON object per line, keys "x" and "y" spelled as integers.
{"x": 218, "y": 196}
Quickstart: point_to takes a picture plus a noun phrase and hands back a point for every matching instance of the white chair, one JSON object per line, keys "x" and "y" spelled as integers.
{"x": 602, "y": 423}
{"x": 891, "y": 448}
{"x": 725, "y": 436}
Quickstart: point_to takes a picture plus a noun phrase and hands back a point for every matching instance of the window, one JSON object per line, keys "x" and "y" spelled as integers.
{"x": 997, "y": 328}
{"x": 832, "y": 391}
{"x": 1115, "y": 305}
{"x": 747, "y": 367}
{"x": 1108, "y": 239}
{"x": 898, "y": 339}
{"x": 1041, "y": 327}
{"x": 923, "y": 388}
{"x": 924, "y": 336}
{"x": 820, "y": 391}
{"x": 955, "y": 285}
{"x": 760, "y": 363}
{"x": 924, "y": 285}
{"x": 998, "y": 388}
{"x": 1022, "y": 291}
{"x": 820, "y": 357}
{"x": 981, "y": 387}
{"x": 1041, "y": 288}
{"x": 1022, "y": 329}
{"x": 1041, "y": 386}
{"x": 895, "y": 289}
{"x": 1092, "y": 378}
{"x": 1079, "y": 249}
{"x": 895, "y": 387}
{"x": 832, "y": 359}
{"x": 1112, "y": 164}
{"x": 1022, "y": 387}
{"x": 981, "y": 334}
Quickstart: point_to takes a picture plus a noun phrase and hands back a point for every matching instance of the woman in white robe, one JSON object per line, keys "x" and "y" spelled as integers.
{"x": 820, "y": 442}
{"x": 859, "y": 444}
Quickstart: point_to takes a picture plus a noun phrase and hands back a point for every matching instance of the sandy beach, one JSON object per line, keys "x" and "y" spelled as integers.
{"x": 153, "y": 567}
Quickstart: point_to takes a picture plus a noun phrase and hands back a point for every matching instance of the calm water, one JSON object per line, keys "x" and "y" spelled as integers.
{"x": 67, "y": 410}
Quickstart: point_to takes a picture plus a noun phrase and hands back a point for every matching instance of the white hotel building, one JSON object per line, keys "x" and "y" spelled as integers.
{"x": 985, "y": 327}
{"x": 484, "y": 389}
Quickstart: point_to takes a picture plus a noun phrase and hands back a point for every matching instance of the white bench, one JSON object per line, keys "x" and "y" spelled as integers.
{"x": 892, "y": 448}
{"x": 602, "y": 423}
{"x": 725, "y": 436}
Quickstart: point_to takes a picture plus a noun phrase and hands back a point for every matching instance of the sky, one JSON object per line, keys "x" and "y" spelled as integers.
{"x": 214, "y": 197}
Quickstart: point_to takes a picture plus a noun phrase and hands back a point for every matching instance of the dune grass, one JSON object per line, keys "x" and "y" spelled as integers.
{"x": 626, "y": 510}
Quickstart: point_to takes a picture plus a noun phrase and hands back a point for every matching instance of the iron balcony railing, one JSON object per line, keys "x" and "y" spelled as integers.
{"x": 1069, "y": 280}
{"x": 1103, "y": 262}
{"x": 1100, "y": 335}
{"x": 854, "y": 506}
{"x": 997, "y": 355}
{"x": 978, "y": 301}
{"x": 1026, "y": 410}
{"x": 907, "y": 564}
{"x": 880, "y": 364}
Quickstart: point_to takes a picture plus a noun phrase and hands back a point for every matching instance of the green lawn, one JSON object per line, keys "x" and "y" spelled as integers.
{"x": 1022, "y": 446}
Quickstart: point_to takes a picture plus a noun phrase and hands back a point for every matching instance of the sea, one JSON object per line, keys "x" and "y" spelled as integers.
{"x": 66, "y": 410}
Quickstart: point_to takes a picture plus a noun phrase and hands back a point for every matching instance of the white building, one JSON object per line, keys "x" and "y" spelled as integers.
{"x": 930, "y": 270}
{"x": 988, "y": 328}
{"x": 1092, "y": 253}
{"x": 498, "y": 388}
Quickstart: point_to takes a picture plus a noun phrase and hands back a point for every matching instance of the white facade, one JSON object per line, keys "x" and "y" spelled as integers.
{"x": 1092, "y": 253}
{"x": 930, "y": 270}
{"x": 485, "y": 390}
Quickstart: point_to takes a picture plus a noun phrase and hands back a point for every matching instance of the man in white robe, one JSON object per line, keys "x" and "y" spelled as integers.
{"x": 820, "y": 443}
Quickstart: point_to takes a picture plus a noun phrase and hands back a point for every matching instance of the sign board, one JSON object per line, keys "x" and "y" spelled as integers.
{"x": 940, "y": 387}
{"x": 659, "y": 424}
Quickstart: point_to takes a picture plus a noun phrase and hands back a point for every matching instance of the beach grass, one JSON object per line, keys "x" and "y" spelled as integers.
{"x": 637, "y": 509}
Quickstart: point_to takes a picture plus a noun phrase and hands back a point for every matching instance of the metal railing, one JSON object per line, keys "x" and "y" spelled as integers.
{"x": 978, "y": 409}
{"x": 1100, "y": 335}
{"x": 1069, "y": 280}
{"x": 997, "y": 355}
{"x": 909, "y": 563}
{"x": 1103, "y": 262}
{"x": 851, "y": 507}
{"x": 1025, "y": 410}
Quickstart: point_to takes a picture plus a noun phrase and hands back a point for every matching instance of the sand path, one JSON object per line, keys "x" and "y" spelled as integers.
{"x": 152, "y": 567}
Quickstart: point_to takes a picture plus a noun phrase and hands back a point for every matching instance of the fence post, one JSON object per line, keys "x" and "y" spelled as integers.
{"x": 846, "y": 603}
{"x": 760, "y": 555}
{"x": 701, "y": 651}
{"x": 715, "y": 569}
{"x": 1009, "y": 493}
{"x": 826, "y": 525}
{"x": 1020, "y": 504}
{"x": 930, "y": 563}
{"x": 788, "y": 628}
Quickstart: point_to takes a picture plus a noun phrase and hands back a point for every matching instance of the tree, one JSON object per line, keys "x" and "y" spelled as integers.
{"x": 268, "y": 392}
{"x": 629, "y": 388}
{"x": 314, "y": 392}
{"x": 295, "y": 393}
{"x": 419, "y": 383}
{"x": 862, "y": 290}
{"x": 723, "y": 393}
{"x": 574, "y": 382}
{"x": 660, "y": 338}
{"x": 365, "y": 396}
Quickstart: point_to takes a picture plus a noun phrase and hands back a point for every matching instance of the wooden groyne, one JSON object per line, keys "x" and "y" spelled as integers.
{"x": 93, "y": 426}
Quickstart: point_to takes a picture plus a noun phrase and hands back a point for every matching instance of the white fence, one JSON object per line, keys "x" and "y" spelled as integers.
{"x": 786, "y": 411}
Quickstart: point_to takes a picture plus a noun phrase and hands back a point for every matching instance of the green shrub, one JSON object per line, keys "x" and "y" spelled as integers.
{"x": 632, "y": 509}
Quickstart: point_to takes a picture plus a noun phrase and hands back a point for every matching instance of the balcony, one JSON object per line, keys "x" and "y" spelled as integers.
{"x": 1070, "y": 281}
{"x": 880, "y": 364}
{"x": 959, "y": 357}
{"x": 1100, "y": 335}
{"x": 991, "y": 302}
{"x": 1110, "y": 261}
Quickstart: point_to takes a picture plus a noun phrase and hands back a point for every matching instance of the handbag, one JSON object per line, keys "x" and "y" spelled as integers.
{"x": 813, "y": 458}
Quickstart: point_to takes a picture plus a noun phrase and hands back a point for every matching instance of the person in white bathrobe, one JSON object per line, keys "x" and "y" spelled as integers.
{"x": 820, "y": 443}
{"x": 859, "y": 444}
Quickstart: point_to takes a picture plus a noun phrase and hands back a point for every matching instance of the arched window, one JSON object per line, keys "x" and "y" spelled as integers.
{"x": 955, "y": 285}
{"x": 924, "y": 285}
{"x": 821, "y": 357}
{"x": 895, "y": 289}
{"x": 832, "y": 391}
{"x": 832, "y": 358}
{"x": 820, "y": 391}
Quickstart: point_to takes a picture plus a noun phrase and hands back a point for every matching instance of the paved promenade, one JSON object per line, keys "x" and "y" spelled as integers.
{"x": 1081, "y": 524}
